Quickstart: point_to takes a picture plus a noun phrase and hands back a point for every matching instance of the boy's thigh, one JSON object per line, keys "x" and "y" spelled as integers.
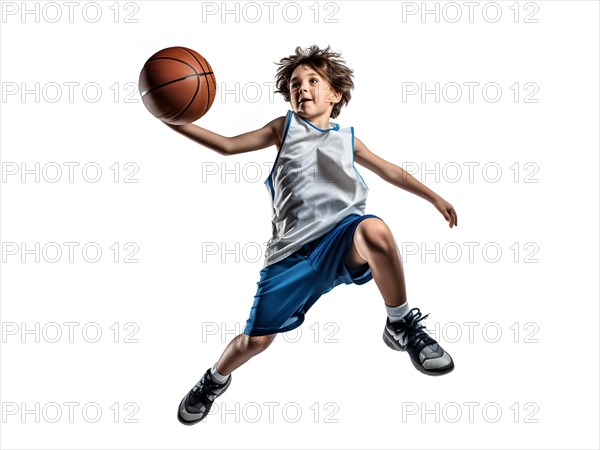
{"x": 332, "y": 258}
{"x": 283, "y": 291}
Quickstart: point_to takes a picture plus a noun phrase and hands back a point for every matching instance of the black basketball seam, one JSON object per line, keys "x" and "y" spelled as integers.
{"x": 197, "y": 89}
{"x": 207, "y": 84}
{"x": 163, "y": 115}
{"x": 203, "y": 70}
{"x": 174, "y": 81}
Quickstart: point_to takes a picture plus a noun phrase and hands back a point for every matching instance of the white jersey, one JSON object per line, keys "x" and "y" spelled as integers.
{"x": 313, "y": 185}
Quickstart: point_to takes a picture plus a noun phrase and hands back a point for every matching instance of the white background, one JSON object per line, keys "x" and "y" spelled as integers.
{"x": 545, "y": 368}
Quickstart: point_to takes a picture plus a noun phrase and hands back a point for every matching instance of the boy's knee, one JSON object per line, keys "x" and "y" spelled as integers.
{"x": 258, "y": 343}
{"x": 377, "y": 235}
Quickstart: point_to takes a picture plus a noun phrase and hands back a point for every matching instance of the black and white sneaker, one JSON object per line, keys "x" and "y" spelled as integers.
{"x": 196, "y": 405}
{"x": 408, "y": 334}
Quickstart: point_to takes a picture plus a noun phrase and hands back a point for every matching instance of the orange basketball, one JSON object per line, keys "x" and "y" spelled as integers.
{"x": 177, "y": 85}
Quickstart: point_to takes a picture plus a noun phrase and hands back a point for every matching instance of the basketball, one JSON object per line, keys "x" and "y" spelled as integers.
{"x": 177, "y": 85}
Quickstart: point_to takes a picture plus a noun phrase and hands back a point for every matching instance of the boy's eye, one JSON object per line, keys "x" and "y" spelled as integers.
{"x": 294, "y": 85}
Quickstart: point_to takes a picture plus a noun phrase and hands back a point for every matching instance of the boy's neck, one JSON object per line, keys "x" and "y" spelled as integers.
{"x": 319, "y": 121}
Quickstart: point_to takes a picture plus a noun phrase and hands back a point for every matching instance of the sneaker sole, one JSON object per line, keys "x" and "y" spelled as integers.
{"x": 391, "y": 343}
{"x": 194, "y": 422}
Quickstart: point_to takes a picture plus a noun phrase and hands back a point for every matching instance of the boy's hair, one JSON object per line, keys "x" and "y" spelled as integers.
{"x": 329, "y": 65}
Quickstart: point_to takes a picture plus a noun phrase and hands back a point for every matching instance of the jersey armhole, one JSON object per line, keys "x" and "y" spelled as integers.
{"x": 268, "y": 182}
{"x": 355, "y": 169}
{"x": 286, "y": 126}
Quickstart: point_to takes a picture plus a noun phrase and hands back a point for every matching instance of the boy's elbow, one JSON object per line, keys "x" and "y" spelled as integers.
{"x": 227, "y": 147}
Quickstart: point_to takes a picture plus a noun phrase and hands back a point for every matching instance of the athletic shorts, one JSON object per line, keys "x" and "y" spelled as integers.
{"x": 288, "y": 288}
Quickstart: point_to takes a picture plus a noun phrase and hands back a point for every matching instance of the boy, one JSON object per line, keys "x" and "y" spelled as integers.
{"x": 321, "y": 234}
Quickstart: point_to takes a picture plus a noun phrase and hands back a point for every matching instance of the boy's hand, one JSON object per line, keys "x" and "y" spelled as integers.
{"x": 447, "y": 211}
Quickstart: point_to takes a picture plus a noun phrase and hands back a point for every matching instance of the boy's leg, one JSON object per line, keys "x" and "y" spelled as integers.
{"x": 241, "y": 349}
{"x": 196, "y": 405}
{"x": 374, "y": 244}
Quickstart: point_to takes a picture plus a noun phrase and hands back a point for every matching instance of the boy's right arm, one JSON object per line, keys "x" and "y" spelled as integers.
{"x": 264, "y": 137}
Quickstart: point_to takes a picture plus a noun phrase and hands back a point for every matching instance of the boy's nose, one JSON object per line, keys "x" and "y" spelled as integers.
{"x": 305, "y": 85}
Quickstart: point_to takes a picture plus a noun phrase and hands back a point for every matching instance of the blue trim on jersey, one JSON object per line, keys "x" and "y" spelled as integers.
{"x": 352, "y": 129}
{"x": 289, "y": 114}
{"x": 269, "y": 181}
{"x": 336, "y": 128}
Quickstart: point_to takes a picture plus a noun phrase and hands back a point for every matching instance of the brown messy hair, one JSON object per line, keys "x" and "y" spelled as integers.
{"x": 328, "y": 64}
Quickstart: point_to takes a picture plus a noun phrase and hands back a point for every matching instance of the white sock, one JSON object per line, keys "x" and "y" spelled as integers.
{"x": 395, "y": 313}
{"x": 217, "y": 376}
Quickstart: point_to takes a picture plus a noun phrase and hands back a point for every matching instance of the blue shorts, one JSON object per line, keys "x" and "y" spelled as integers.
{"x": 288, "y": 288}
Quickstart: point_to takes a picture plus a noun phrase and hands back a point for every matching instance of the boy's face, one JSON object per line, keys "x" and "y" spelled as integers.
{"x": 311, "y": 95}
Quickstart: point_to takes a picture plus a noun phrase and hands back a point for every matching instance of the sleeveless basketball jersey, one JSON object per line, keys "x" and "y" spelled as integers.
{"x": 313, "y": 185}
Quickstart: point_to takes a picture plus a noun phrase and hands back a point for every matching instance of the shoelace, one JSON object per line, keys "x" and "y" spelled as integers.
{"x": 207, "y": 386}
{"x": 413, "y": 329}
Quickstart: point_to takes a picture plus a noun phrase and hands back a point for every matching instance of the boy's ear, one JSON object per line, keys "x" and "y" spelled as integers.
{"x": 334, "y": 96}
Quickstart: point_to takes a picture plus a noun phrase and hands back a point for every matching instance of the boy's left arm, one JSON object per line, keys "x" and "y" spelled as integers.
{"x": 401, "y": 178}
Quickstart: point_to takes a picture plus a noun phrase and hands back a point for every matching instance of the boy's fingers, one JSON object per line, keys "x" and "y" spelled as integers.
{"x": 454, "y": 216}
